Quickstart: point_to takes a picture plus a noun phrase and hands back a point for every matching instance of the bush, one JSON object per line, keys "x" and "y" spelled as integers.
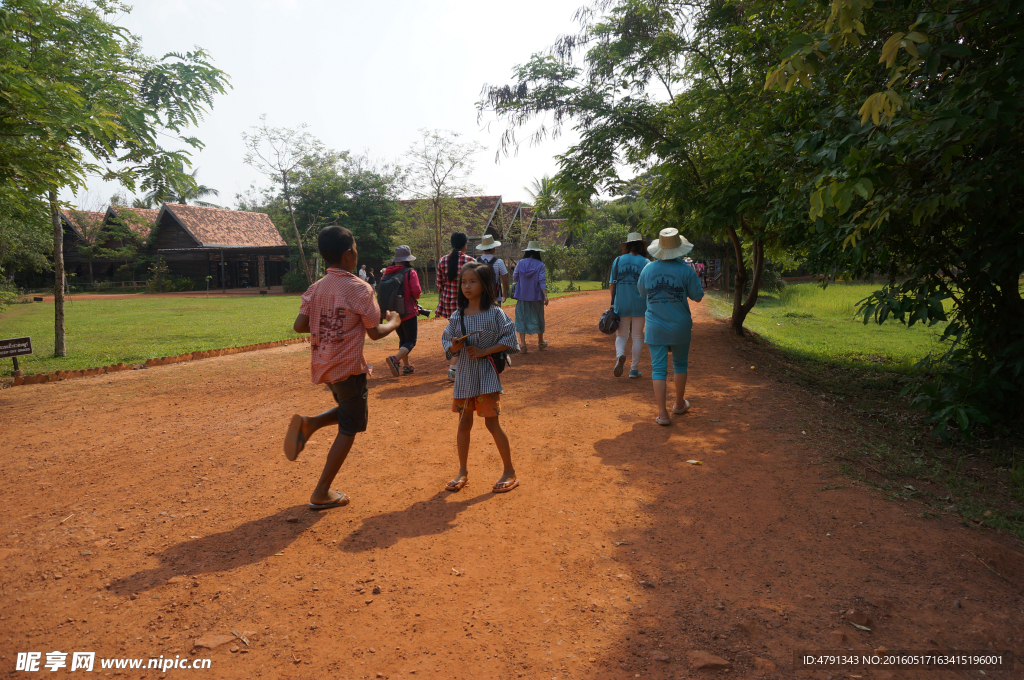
{"x": 8, "y": 295}
{"x": 295, "y": 281}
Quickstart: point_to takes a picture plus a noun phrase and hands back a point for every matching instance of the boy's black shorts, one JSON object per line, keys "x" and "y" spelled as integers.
{"x": 351, "y": 396}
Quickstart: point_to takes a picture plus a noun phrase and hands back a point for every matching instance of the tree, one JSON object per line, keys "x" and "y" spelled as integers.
{"x": 182, "y": 192}
{"x": 440, "y": 167}
{"x": 81, "y": 98}
{"x": 672, "y": 90}
{"x": 914, "y": 170}
{"x": 544, "y": 195}
{"x": 278, "y": 153}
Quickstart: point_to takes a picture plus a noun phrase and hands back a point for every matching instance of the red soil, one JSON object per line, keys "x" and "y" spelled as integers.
{"x": 147, "y": 509}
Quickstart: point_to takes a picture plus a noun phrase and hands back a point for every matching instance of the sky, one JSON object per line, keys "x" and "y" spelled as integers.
{"x": 365, "y": 77}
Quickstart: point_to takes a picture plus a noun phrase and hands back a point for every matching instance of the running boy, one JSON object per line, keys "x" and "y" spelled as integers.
{"x": 477, "y": 331}
{"x": 338, "y": 311}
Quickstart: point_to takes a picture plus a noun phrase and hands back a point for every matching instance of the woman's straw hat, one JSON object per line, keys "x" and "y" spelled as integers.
{"x": 404, "y": 254}
{"x": 669, "y": 245}
{"x": 534, "y": 245}
{"x": 488, "y": 243}
{"x": 633, "y": 236}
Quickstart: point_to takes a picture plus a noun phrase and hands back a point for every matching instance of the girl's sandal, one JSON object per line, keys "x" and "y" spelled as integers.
{"x": 543, "y": 345}
{"x": 456, "y": 484}
{"x": 659, "y": 421}
{"x": 507, "y": 485}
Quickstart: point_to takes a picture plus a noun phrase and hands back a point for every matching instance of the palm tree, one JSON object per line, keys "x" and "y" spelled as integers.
{"x": 545, "y": 197}
{"x": 185, "y": 193}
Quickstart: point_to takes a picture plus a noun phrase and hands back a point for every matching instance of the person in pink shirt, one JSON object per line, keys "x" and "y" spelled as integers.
{"x": 338, "y": 312}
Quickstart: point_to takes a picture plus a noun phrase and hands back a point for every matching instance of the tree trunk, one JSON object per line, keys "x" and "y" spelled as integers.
{"x": 437, "y": 235}
{"x": 90, "y": 269}
{"x": 298, "y": 236}
{"x": 741, "y": 307}
{"x": 59, "y": 346}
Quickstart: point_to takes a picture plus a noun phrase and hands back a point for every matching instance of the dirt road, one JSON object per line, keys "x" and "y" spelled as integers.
{"x": 150, "y": 509}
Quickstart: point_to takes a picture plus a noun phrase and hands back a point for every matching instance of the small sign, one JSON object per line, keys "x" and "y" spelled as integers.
{"x": 15, "y": 347}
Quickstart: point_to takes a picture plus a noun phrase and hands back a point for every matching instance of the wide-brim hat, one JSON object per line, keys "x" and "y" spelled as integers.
{"x": 534, "y": 245}
{"x": 488, "y": 243}
{"x": 669, "y": 245}
{"x": 633, "y": 236}
{"x": 404, "y": 254}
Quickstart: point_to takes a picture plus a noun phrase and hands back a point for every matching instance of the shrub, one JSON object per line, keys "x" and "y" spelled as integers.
{"x": 294, "y": 281}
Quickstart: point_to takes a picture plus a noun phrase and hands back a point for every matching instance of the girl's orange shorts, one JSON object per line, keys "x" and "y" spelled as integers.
{"x": 487, "y": 405}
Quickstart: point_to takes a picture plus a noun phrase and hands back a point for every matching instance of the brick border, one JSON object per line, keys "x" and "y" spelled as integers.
{"x": 40, "y": 378}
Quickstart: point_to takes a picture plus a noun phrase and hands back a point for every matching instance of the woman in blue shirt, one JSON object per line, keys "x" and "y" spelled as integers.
{"x": 627, "y": 303}
{"x": 666, "y": 284}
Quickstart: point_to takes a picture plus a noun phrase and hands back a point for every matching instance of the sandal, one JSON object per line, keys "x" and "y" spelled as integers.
{"x": 659, "y": 421}
{"x": 507, "y": 485}
{"x": 684, "y": 409}
{"x": 294, "y": 442}
{"x": 456, "y": 484}
{"x": 543, "y": 345}
{"x": 338, "y": 502}
{"x": 524, "y": 349}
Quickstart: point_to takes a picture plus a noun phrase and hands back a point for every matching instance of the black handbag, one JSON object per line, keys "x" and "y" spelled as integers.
{"x": 609, "y": 321}
{"x": 499, "y": 360}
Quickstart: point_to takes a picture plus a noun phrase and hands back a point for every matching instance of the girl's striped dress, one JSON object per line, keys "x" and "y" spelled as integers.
{"x": 474, "y": 377}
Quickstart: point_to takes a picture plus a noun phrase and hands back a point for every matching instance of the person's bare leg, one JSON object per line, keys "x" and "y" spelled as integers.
{"x": 311, "y": 424}
{"x": 403, "y": 355}
{"x": 522, "y": 339}
{"x": 335, "y": 457}
{"x": 465, "y": 430}
{"x": 659, "y": 397}
{"x": 504, "y": 449}
{"x": 680, "y": 391}
{"x": 540, "y": 340}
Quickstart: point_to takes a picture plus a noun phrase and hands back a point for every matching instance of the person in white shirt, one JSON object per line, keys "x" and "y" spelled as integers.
{"x": 362, "y": 272}
{"x": 487, "y": 246}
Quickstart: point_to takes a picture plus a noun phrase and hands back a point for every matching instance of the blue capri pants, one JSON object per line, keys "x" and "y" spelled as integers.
{"x": 659, "y": 359}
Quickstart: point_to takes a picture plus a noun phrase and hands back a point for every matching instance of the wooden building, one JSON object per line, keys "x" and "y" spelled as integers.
{"x": 237, "y": 249}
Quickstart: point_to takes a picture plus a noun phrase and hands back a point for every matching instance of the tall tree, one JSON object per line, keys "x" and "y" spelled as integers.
{"x": 279, "y": 153}
{"x": 544, "y": 195}
{"x": 81, "y": 98}
{"x": 190, "y": 191}
{"x": 440, "y": 167}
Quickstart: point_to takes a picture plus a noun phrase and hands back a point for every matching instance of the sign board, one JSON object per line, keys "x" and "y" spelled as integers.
{"x": 15, "y": 347}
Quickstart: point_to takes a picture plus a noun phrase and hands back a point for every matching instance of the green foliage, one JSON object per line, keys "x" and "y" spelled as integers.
{"x": 9, "y": 294}
{"x": 294, "y": 281}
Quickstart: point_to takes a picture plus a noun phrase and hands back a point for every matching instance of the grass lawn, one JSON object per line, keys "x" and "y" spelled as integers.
{"x": 818, "y": 324}
{"x": 103, "y": 332}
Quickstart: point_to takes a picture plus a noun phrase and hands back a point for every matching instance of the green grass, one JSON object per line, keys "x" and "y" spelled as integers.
{"x": 104, "y": 332}
{"x": 812, "y": 323}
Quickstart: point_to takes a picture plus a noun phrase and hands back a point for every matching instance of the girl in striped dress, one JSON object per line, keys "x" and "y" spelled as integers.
{"x": 477, "y": 331}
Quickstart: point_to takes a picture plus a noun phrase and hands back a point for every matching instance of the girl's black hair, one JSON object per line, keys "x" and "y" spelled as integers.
{"x": 459, "y": 241}
{"x": 486, "y": 276}
{"x": 638, "y": 248}
{"x": 534, "y": 254}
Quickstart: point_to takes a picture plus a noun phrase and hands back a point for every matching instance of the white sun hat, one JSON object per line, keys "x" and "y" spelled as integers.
{"x": 534, "y": 245}
{"x": 488, "y": 243}
{"x": 669, "y": 245}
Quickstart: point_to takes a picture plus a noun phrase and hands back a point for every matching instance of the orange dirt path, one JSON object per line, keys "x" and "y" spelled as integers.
{"x": 147, "y": 509}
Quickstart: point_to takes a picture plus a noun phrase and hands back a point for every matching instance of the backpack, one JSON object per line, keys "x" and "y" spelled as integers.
{"x": 500, "y": 360}
{"x": 494, "y": 274}
{"x": 391, "y": 293}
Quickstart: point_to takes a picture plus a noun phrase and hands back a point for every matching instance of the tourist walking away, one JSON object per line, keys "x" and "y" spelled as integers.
{"x": 338, "y": 312}
{"x": 371, "y": 280}
{"x": 531, "y": 293}
{"x": 487, "y": 256}
{"x": 362, "y": 272}
{"x": 478, "y": 336}
{"x": 448, "y": 283}
{"x": 627, "y": 303}
{"x": 667, "y": 283}
{"x": 399, "y": 291}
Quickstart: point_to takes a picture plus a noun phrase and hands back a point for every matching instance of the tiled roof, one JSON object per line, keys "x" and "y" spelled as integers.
{"x": 217, "y": 226}
{"x": 77, "y": 219}
{"x": 551, "y": 232}
{"x": 139, "y": 220}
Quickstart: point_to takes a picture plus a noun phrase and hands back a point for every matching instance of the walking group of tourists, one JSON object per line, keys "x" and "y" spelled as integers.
{"x": 650, "y": 287}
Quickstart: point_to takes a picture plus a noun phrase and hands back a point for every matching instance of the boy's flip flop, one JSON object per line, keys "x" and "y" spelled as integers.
{"x": 294, "y": 442}
{"x": 684, "y": 409}
{"x": 507, "y": 485}
{"x": 341, "y": 500}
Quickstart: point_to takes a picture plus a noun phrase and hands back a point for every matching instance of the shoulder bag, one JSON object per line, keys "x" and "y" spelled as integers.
{"x": 609, "y": 321}
{"x": 499, "y": 360}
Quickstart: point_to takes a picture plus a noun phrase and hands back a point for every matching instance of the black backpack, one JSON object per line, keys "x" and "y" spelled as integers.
{"x": 391, "y": 293}
{"x": 500, "y": 360}
{"x": 494, "y": 274}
